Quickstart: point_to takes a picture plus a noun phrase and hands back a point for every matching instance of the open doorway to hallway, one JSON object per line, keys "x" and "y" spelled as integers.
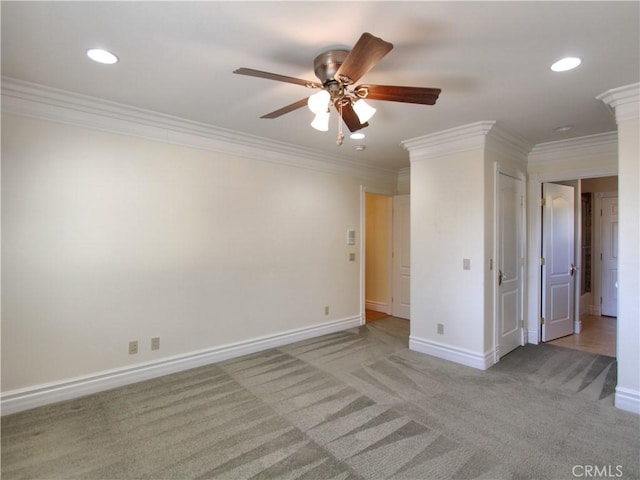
{"x": 387, "y": 263}
{"x": 378, "y": 251}
{"x": 596, "y": 247}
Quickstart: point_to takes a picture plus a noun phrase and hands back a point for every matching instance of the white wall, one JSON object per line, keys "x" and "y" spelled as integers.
{"x": 447, "y": 225}
{"x": 452, "y": 219}
{"x": 628, "y": 354}
{"x": 108, "y": 238}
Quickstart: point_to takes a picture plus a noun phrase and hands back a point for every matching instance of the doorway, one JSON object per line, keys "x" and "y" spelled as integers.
{"x": 386, "y": 256}
{"x": 596, "y": 259}
{"x": 377, "y": 258}
{"x": 598, "y": 335}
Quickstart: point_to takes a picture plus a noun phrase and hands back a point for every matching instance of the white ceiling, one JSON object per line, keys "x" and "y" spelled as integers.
{"x": 491, "y": 60}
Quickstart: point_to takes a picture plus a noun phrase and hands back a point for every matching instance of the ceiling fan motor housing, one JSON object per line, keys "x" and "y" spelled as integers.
{"x": 327, "y": 64}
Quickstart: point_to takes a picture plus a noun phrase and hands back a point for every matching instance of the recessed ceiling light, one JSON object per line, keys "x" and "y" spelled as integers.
{"x": 359, "y": 148}
{"x": 564, "y": 128}
{"x": 357, "y": 136}
{"x": 102, "y": 56}
{"x": 566, "y": 63}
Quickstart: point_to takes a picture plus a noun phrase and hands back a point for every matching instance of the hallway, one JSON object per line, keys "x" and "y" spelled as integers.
{"x": 598, "y": 336}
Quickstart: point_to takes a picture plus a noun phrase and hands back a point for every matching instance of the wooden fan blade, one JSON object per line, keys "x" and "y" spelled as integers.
{"x": 350, "y": 117}
{"x": 366, "y": 53}
{"x": 274, "y": 76}
{"x": 392, "y": 93}
{"x": 287, "y": 109}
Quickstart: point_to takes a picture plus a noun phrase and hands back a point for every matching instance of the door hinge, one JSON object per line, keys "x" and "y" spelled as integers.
{"x": 541, "y": 320}
{"x": 543, "y": 261}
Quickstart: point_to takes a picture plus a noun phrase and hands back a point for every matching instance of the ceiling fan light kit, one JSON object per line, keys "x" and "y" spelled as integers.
{"x": 363, "y": 110}
{"x": 319, "y": 102}
{"x": 337, "y": 71}
{"x": 321, "y": 121}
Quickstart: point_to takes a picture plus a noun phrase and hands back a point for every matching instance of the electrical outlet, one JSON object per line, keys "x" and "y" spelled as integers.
{"x": 352, "y": 257}
{"x": 440, "y": 329}
{"x": 326, "y": 310}
{"x": 133, "y": 347}
{"x": 155, "y": 343}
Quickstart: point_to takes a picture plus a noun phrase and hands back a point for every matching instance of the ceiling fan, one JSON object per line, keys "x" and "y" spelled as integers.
{"x": 337, "y": 71}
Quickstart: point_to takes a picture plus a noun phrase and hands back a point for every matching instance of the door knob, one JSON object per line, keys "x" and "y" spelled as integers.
{"x": 501, "y": 276}
{"x": 572, "y": 269}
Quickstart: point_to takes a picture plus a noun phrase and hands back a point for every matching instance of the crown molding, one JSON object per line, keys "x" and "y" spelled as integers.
{"x": 625, "y": 101}
{"x": 484, "y": 134}
{"x": 61, "y": 106}
{"x": 502, "y": 142}
{"x": 447, "y": 142}
{"x": 591, "y": 147}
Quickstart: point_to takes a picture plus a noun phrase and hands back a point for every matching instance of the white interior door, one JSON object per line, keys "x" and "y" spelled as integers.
{"x": 609, "y": 232}
{"x": 401, "y": 270}
{"x": 510, "y": 263}
{"x": 558, "y": 247}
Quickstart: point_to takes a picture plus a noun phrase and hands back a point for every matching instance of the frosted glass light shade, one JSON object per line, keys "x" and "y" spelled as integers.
{"x": 319, "y": 102}
{"x": 363, "y": 110}
{"x": 321, "y": 121}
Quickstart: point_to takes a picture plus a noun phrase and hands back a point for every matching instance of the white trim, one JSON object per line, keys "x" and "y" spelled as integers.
{"x": 377, "y": 306}
{"x": 623, "y": 101}
{"x": 596, "y": 263}
{"x": 31, "y": 397}
{"x": 626, "y": 399}
{"x": 602, "y": 145}
{"x": 470, "y": 358}
{"x": 404, "y": 181}
{"x": 446, "y": 142}
{"x": 511, "y": 147}
{"x": 55, "y": 105}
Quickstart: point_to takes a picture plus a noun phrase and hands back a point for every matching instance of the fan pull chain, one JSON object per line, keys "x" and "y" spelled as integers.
{"x": 340, "y": 134}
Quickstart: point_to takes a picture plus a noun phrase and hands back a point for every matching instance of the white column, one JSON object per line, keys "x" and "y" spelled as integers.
{"x": 626, "y": 103}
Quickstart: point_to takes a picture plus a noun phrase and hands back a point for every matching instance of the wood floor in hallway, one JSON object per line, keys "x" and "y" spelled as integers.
{"x": 372, "y": 315}
{"x": 598, "y": 335}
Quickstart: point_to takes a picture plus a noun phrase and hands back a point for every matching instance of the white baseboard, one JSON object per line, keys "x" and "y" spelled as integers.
{"x": 577, "y": 326}
{"x": 377, "y": 306}
{"x": 37, "y": 396}
{"x": 532, "y": 336}
{"x": 470, "y": 358}
{"x": 626, "y": 399}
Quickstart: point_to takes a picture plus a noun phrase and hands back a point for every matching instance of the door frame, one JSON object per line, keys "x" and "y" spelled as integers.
{"x": 597, "y": 275}
{"x": 574, "y": 309}
{"x": 501, "y": 170}
{"x": 534, "y": 214}
{"x": 363, "y": 241}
